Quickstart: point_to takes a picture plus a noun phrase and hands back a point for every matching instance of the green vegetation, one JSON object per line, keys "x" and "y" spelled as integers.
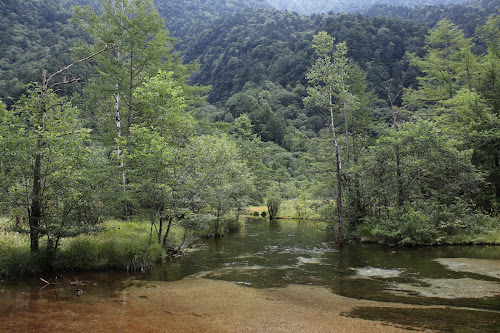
{"x": 323, "y": 6}
{"x": 381, "y": 127}
{"x": 121, "y": 245}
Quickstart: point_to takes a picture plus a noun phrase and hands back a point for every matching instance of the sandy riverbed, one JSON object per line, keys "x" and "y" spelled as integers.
{"x": 193, "y": 305}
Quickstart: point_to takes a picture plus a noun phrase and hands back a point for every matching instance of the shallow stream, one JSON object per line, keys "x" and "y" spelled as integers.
{"x": 291, "y": 267}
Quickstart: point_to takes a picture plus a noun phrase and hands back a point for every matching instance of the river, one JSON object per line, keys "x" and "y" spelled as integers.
{"x": 282, "y": 277}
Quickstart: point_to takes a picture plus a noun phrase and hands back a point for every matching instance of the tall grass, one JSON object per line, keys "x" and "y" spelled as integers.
{"x": 123, "y": 246}
{"x": 15, "y": 256}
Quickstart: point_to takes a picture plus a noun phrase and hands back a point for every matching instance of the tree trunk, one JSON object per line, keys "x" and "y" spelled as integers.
{"x": 170, "y": 219}
{"x": 160, "y": 228}
{"x": 119, "y": 153}
{"x": 35, "y": 211}
{"x": 345, "y": 120}
{"x": 183, "y": 240}
{"x": 36, "y": 205}
{"x": 400, "y": 180}
{"x": 217, "y": 224}
{"x": 340, "y": 227}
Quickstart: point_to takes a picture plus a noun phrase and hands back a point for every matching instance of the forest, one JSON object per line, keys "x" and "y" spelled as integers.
{"x": 128, "y": 129}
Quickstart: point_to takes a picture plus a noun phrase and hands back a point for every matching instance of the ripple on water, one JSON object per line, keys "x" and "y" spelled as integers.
{"x": 304, "y": 261}
{"x": 215, "y": 273}
{"x": 312, "y": 251}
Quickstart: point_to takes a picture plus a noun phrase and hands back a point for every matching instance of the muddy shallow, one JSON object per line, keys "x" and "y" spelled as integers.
{"x": 191, "y": 305}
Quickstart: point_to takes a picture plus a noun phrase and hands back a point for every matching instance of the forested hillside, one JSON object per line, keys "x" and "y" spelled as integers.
{"x": 28, "y": 28}
{"x": 255, "y": 46}
{"x": 307, "y": 7}
{"x": 386, "y": 128}
{"x": 188, "y": 18}
{"x": 466, "y": 17}
{"x": 33, "y": 35}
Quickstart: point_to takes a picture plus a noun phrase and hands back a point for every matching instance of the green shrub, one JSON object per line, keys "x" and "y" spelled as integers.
{"x": 404, "y": 228}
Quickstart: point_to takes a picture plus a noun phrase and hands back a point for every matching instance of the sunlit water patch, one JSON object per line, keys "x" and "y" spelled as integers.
{"x": 477, "y": 266}
{"x": 301, "y": 261}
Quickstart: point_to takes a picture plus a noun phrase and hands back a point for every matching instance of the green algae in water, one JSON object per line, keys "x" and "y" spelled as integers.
{"x": 438, "y": 319}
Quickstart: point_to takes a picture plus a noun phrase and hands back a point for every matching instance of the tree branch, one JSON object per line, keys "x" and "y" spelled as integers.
{"x": 108, "y": 47}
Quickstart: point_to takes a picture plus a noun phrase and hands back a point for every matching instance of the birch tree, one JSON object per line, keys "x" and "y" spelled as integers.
{"x": 329, "y": 91}
{"x": 142, "y": 47}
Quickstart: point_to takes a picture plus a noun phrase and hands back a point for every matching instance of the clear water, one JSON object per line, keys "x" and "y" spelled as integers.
{"x": 461, "y": 284}
{"x": 264, "y": 255}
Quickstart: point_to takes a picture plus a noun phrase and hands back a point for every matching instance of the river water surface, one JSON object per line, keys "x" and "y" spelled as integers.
{"x": 282, "y": 277}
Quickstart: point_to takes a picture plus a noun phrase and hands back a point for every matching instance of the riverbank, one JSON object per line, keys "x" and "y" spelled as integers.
{"x": 121, "y": 245}
{"x": 129, "y": 246}
{"x": 192, "y": 305}
{"x": 294, "y": 210}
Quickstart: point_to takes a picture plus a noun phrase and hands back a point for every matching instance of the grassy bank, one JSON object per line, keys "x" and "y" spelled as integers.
{"x": 478, "y": 230}
{"x": 123, "y": 245}
{"x": 290, "y": 209}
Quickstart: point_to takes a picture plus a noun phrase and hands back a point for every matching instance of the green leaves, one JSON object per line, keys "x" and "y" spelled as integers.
{"x": 448, "y": 65}
{"x": 42, "y": 135}
{"x": 415, "y": 180}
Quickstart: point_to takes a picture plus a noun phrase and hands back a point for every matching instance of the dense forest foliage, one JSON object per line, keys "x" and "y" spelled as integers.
{"x": 466, "y": 17}
{"x": 33, "y": 35}
{"x": 255, "y": 46}
{"x": 307, "y": 7}
{"x": 381, "y": 126}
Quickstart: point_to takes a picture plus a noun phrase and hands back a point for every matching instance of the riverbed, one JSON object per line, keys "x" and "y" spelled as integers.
{"x": 283, "y": 277}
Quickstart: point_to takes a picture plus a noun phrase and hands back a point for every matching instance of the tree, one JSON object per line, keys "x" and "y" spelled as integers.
{"x": 177, "y": 176}
{"x": 141, "y": 47}
{"x": 273, "y": 202}
{"x": 460, "y": 91}
{"x": 225, "y": 177}
{"x": 489, "y": 83}
{"x": 329, "y": 91}
{"x": 419, "y": 185}
{"x": 448, "y": 65}
{"x": 48, "y": 164}
{"x": 39, "y": 126}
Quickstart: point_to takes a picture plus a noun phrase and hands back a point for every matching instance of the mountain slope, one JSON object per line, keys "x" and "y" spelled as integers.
{"x": 185, "y": 19}
{"x": 255, "y": 45}
{"x": 33, "y": 35}
{"x": 307, "y": 7}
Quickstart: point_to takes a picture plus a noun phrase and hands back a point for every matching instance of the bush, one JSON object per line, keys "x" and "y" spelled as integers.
{"x": 404, "y": 228}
